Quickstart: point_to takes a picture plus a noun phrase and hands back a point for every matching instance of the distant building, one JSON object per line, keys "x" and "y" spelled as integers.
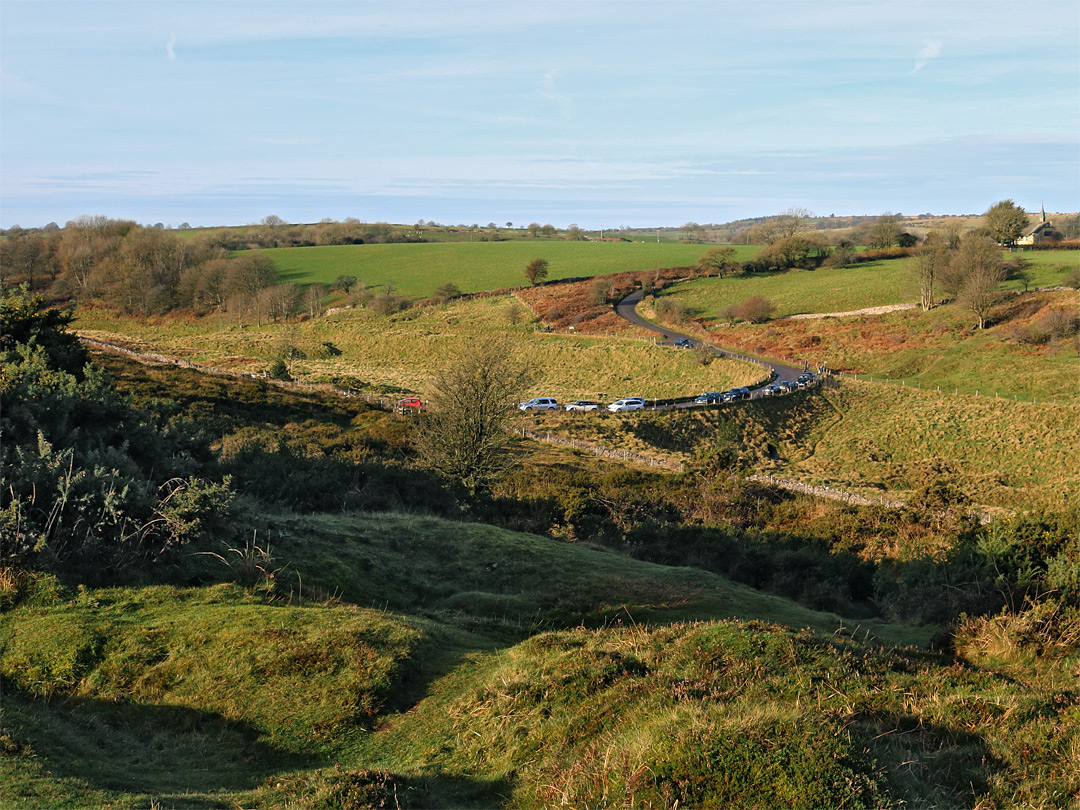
{"x": 1037, "y": 234}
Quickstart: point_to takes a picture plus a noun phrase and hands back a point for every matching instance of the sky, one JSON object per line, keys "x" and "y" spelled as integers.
{"x": 604, "y": 114}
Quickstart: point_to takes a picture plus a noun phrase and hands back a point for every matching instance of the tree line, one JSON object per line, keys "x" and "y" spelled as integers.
{"x": 145, "y": 271}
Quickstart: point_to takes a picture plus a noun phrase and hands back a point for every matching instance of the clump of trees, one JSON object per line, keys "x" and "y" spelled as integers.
{"x": 144, "y": 271}
{"x": 805, "y": 252}
{"x": 970, "y": 271}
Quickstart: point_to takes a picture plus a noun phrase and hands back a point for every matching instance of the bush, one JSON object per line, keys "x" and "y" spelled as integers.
{"x": 388, "y": 304}
{"x": 672, "y": 310}
{"x": 755, "y": 309}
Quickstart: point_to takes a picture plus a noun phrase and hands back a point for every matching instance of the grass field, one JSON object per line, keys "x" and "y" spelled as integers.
{"x": 415, "y": 270}
{"x": 398, "y": 354}
{"x": 844, "y": 289}
{"x": 466, "y": 666}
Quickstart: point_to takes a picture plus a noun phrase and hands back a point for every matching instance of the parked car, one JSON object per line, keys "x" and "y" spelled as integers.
{"x": 583, "y": 405}
{"x": 709, "y": 398}
{"x": 408, "y": 405}
{"x": 787, "y": 386}
{"x": 683, "y": 343}
{"x": 627, "y": 404}
{"x": 736, "y": 394}
{"x": 771, "y": 390}
{"x": 539, "y": 404}
{"x": 805, "y": 379}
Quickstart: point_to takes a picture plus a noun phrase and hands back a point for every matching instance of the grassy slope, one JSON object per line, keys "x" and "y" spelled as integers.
{"x": 929, "y": 349}
{"x": 210, "y": 696}
{"x": 399, "y": 354}
{"x": 844, "y": 289}
{"x": 415, "y": 270}
{"x": 1001, "y": 453}
{"x": 886, "y": 440}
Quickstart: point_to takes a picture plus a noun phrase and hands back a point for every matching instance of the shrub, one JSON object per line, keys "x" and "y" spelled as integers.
{"x": 672, "y": 310}
{"x": 278, "y": 370}
{"x": 388, "y": 304}
{"x": 755, "y": 309}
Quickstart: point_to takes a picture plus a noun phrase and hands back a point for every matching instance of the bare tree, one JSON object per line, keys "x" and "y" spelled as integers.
{"x": 930, "y": 265}
{"x": 974, "y": 276}
{"x": 886, "y": 231}
{"x": 693, "y": 233}
{"x": 471, "y": 401}
{"x": 782, "y": 226}
{"x": 313, "y": 299}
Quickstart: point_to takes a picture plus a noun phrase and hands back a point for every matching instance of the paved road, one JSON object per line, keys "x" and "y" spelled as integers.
{"x": 627, "y": 308}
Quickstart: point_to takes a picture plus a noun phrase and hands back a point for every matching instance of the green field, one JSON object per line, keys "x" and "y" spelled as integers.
{"x": 415, "y": 270}
{"x": 844, "y": 289}
{"x": 381, "y": 354}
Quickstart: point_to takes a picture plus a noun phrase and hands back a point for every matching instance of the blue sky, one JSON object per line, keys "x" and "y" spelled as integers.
{"x": 599, "y": 113}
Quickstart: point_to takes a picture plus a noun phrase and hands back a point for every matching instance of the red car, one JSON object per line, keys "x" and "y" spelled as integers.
{"x": 408, "y": 405}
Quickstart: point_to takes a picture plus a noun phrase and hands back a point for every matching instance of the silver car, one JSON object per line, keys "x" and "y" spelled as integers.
{"x": 539, "y": 404}
{"x": 627, "y": 404}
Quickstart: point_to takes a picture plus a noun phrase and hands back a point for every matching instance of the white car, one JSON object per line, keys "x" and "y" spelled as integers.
{"x": 583, "y": 405}
{"x": 539, "y": 404}
{"x": 627, "y": 404}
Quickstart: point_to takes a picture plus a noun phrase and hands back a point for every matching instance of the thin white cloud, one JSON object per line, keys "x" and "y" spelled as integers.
{"x": 170, "y": 48}
{"x": 931, "y": 48}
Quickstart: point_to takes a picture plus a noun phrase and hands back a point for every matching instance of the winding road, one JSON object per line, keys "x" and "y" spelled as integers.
{"x": 627, "y": 309}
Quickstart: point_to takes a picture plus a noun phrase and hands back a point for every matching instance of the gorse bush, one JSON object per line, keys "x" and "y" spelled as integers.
{"x": 91, "y": 483}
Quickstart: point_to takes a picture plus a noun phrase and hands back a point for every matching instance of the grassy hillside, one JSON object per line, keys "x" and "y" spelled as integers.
{"x": 415, "y": 270}
{"x": 397, "y": 354}
{"x": 878, "y": 440}
{"x": 423, "y": 695}
{"x": 1016, "y": 356}
{"x": 844, "y": 289}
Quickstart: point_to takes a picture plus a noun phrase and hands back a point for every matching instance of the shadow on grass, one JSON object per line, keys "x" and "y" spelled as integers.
{"x": 143, "y": 749}
{"x": 928, "y": 765}
{"x": 343, "y": 789}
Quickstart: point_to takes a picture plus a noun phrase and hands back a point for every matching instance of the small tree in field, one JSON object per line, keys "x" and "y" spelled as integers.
{"x": 447, "y": 292}
{"x": 463, "y": 435}
{"x": 536, "y": 270}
